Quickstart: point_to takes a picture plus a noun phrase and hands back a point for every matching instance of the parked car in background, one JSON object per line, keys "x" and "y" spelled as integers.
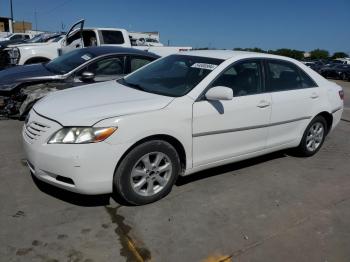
{"x": 78, "y": 37}
{"x": 5, "y": 46}
{"x": 24, "y": 85}
{"x": 337, "y": 71}
{"x": 178, "y": 115}
{"x": 314, "y": 65}
{"x": 16, "y": 36}
{"x": 148, "y": 42}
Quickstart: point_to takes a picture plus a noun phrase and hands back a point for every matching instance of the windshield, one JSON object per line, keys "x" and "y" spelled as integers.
{"x": 174, "y": 75}
{"x": 35, "y": 39}
{"x": 67, "y": 62}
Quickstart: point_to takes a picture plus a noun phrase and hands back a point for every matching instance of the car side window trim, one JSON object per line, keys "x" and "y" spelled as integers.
{"x": 259, "y": 62}
{"x": 298, "y": 69}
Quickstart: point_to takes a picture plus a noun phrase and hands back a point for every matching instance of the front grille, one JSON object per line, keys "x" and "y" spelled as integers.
{"x": 33, "y": 130}
{"x": 4, "y": 59}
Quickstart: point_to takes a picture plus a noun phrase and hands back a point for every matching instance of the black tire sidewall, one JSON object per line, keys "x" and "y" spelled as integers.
{"x": 302, "y": 147}
{"x": 121, "y": 180}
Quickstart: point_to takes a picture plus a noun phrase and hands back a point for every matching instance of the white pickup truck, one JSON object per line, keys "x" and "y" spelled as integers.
{"x": 79, "y": 37}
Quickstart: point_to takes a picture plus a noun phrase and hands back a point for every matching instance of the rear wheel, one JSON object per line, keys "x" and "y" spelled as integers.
{"x": 147, "y": 173}
{"x": 313, "y": 137}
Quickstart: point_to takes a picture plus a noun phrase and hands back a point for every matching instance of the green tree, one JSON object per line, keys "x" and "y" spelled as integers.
{"x": 292, "y": 53}
{"x": 339, "y": 55}
{"x": 319, "y": 54}
{"x": 255, "y": 49}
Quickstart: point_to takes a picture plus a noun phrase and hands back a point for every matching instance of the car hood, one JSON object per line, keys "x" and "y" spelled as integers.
{"x": 35, "y": 45}
{"x": 86, "y": 105}
{"x": 18, "y": 74}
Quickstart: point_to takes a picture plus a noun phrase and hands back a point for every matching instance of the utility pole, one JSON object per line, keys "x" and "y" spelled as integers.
{"x": 11, "y": 24}
{"x": 36, "y": 20}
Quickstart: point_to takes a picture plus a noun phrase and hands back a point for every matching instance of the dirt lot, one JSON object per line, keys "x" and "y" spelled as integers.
{"x": 272, "y": 208}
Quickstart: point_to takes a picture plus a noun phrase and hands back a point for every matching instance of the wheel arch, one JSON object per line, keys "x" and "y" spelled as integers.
{"x": 37, "y": 59}
{"x": 180, "y": 149}
{"x": 329, "y": 119}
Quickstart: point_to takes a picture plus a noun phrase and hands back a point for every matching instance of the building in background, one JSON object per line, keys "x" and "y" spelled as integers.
{"x": 18, "y": 26}
{"x": 5, "y": 25}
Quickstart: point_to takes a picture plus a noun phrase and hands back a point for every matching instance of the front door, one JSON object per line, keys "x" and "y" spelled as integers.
{"x": 226, "y": 129}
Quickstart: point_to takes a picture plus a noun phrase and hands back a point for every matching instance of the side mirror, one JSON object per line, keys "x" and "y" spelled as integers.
{"x": 219, "y": 93}
{"x": 87, "y": 76}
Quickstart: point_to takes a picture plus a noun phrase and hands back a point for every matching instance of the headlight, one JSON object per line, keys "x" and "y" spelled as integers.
{"x": 14, "y": 55}
{"x": 81, "y": 135}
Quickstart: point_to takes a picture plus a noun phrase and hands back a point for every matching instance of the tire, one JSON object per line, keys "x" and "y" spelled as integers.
{"x": 135, "y": 189}
{"x": 312, "y": 142}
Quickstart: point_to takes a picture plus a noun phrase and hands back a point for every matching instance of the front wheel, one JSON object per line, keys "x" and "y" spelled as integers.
{"x": 313, "y": 137}
{"x": 147, "y": 173}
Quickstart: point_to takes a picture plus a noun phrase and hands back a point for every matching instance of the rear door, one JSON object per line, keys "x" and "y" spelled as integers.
{"x": 135, "y": 62}
{"x": 295, "y": 98}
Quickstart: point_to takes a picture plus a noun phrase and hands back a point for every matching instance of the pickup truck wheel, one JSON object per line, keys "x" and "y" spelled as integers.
{"x": 36, "y": 60}
{"x": 313, "y": 137}
{"x": 147, "y": 173}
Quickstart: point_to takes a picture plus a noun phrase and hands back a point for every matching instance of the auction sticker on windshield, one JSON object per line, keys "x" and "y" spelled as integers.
{"x": 204, "y": 66}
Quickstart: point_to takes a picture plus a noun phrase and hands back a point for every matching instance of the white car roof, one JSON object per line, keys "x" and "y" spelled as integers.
{"x": 228, "y": 54}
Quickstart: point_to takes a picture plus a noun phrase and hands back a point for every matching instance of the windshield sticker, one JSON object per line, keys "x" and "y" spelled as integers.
{"x": 86, "y": 57}
{"x": 204, "y": 66}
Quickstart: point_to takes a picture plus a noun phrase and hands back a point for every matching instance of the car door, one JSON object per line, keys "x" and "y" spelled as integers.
{"x": 294, "y": 99}
{"x": 226, "y": 129}
{"x": 74, "y": 38}
{"x": 104, "y": 69}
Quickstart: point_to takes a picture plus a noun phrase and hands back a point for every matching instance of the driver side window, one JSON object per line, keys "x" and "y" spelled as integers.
{"x": 244, "y": 78}
{"x": 107, "y": 68}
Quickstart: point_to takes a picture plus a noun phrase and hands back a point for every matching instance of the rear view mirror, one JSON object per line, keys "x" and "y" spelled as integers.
{"x": 87, "y": 76}
{"x": 219, "y": 93}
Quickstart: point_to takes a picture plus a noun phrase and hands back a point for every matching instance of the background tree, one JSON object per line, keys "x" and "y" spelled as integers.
{"x": 255, "y": 49}
{"x": 292, "y": 53}
{"x": 319, "y": 54}
{"x": 339, "y": 55}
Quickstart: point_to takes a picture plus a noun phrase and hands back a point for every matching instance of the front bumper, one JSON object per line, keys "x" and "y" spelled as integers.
{"x": 80, "y": 168}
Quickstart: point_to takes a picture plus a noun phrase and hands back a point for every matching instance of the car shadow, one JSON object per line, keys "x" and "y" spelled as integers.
{"x": 103, "y": 200}
{"x": 183, "y": 180}
{"x": 70, "y": 197}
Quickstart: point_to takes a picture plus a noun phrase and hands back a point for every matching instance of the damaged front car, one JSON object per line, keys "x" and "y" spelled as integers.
{"x": 22, "y": 86}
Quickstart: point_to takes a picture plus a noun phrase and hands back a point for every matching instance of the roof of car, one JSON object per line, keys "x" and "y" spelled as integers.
{"x": 102, "y": 50}
{"x": 228, "y": 54}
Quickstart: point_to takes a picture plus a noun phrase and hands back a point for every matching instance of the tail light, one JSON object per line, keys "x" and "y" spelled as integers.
{"x": 341, "y": 94}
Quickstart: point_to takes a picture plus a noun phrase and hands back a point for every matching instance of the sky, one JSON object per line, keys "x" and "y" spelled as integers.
{"x": 268, "y": 24}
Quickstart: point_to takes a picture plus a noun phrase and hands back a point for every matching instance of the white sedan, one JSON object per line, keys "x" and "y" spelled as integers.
{"x": 176, "y": 116}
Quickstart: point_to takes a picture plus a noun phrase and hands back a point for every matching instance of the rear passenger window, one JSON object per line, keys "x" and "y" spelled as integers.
{"x": 243, "y": 78}
{"x": 282, "y": 76}
{"x": 138, "y": 62}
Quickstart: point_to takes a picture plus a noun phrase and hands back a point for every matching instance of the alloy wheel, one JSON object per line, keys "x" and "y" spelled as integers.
{"x": 315, "y": 136}
{"x": 151, "y": 174}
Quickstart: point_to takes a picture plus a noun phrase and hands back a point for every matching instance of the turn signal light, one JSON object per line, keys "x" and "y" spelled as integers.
{"x": 341, "y": 94}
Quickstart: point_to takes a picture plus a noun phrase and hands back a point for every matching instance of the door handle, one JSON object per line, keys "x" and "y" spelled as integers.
{"x": 314, "y": 95}
{"x": 263, "y": 104}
